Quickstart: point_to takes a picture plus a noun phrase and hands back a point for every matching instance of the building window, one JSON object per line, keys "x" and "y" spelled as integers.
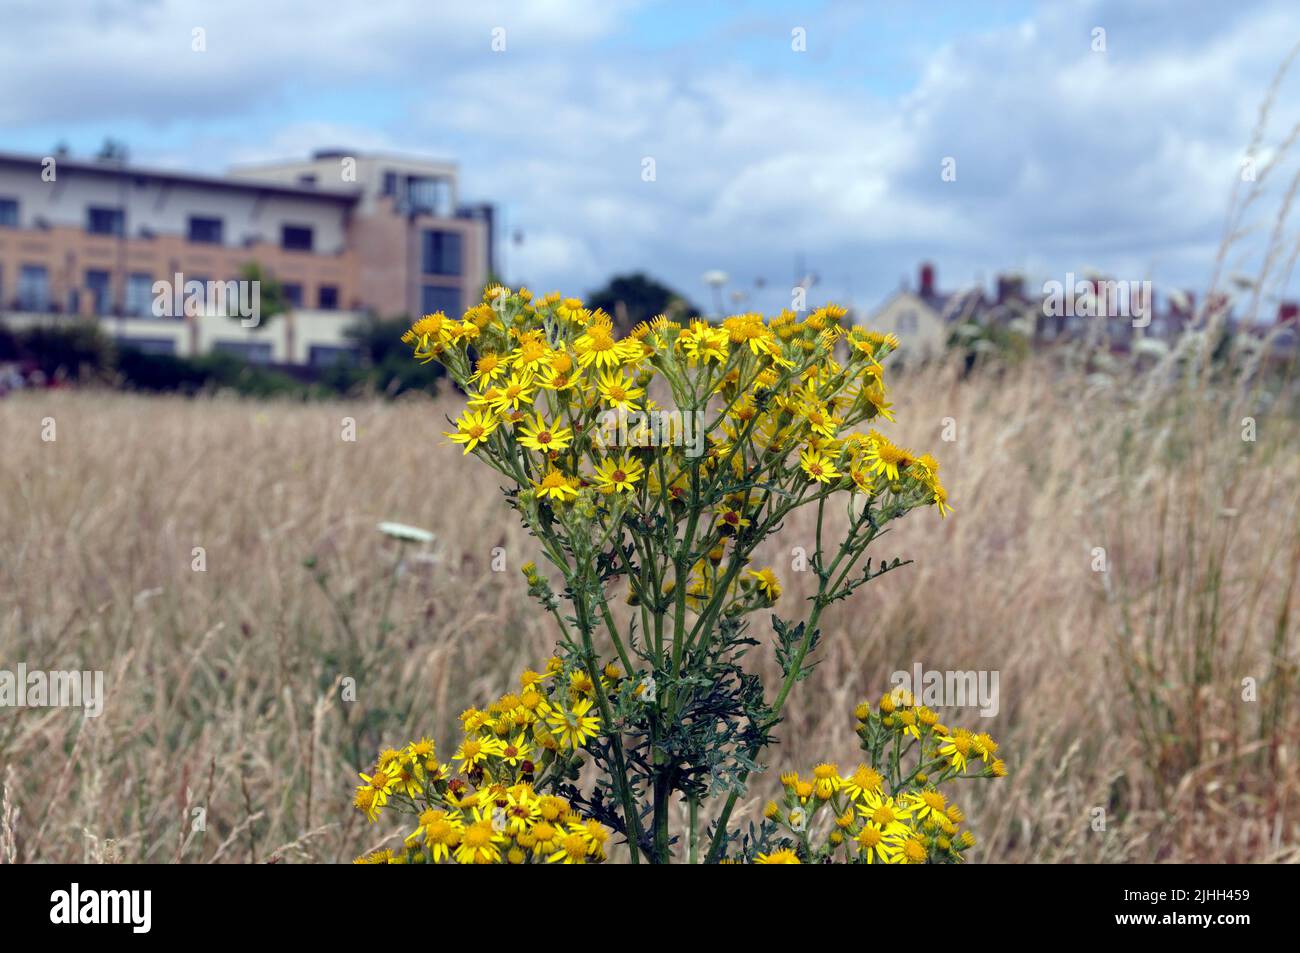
{"x": 307, "y": 180}
{"x": 208, "y": 231}
{"x": 292, "y": 294}
{"x": 9, "y": 212}
{"x": 195, "y": 301}
{"x": 255, "y": 352}
{"x": 328, "y": 298}
{"x": 97, "y": 287}
{"x": 296, "y": 238}
{"x": 139, "y": 295}
{"x": 33, "y": 288}
{"x": 390, "y": 183}
{"x": 907, "y": 322}
{"x": 331, "y": 355}
{"x": 441, "y": 253}
{"x": 105, "y": 221}
{"x": 148, "y": 345}
{"x": 434, "y": 298}
{"x": 428, "y": 196}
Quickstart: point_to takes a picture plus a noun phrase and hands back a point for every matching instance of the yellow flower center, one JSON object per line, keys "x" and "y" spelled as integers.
{"x": 478, "y": 835}
{"x": 439, "y": 831}
{"x": 866, "y": 778}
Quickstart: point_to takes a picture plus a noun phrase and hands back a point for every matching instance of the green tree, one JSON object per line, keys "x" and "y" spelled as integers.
{"x": 635, "y": 297}
{"x": 271, "y": 297}
{"x": 386, "y": 364}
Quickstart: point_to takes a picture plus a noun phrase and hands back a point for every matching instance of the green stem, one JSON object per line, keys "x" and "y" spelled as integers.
{"x": 693, "y": 851}
{"x": 632, "y": 819}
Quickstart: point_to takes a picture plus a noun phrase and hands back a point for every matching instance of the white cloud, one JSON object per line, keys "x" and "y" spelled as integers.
{"x": 1065, "y": 156}
{"x": 136, "y": 59}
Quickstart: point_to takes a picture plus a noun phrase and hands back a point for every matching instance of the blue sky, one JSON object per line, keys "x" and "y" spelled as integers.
{"x": 1067, "y": 158}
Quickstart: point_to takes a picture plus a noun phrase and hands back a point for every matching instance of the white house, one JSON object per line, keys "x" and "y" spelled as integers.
{"x": 922, "y": 319}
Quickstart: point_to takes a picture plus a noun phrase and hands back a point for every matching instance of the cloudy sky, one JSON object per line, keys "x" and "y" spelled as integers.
{"x": 1066, "y": 157}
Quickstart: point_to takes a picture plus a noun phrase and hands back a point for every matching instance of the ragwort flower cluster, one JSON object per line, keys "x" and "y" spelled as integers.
{"x": 649, "y": 467}
{"x": 485, "y": 804}
{"x": 892, "y": 808}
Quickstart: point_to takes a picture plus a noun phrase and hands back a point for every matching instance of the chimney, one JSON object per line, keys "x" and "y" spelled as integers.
{"x": 927, "y": 280}
{"x": 1010, "y": 286}
{"x": 1287, "y": 311}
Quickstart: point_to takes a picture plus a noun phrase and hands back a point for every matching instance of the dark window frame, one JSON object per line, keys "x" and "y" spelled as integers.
{"x": 206, "y": 220}
{"x": 442, "y": 253}
{"x": 23, "y": 288}
{"x": 101, "y": 294}
{"x": 147, "y": 345}
{"x": 116, "y": 214}
{"x": 251, "y": 352}
{"x": 429, "y": 304}
{"x": 132, "y": 282}
{"x": 342, "y": 355}
{"x": 297, "y": 244}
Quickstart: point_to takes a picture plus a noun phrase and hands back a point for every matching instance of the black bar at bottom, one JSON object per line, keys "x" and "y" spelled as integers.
{"x": 144, "y": 903}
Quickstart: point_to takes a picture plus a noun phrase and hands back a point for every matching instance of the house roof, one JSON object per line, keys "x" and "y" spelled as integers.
{"x": 949, "y": 304}
{"x": 122, "y": 170}
{"x": 946, "y": 305}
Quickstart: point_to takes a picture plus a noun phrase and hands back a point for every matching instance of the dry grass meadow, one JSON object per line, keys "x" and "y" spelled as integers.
{"x": 1121, "y": 691}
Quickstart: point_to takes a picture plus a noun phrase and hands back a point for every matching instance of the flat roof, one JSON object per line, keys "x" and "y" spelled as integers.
{"x": 115, "y": 169}
{"x": 405, "y": 160}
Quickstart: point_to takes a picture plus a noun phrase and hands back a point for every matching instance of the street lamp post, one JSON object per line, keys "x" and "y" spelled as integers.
{"x": 715, "y": 280}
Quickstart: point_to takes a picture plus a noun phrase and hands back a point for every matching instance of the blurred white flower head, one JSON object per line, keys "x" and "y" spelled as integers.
{"x": 407, "y": 534}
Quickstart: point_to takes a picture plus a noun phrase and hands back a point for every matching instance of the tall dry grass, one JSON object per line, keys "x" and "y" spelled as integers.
{"x": 1121, "y": 691}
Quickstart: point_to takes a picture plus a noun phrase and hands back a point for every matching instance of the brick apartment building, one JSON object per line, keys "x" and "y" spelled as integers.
{"x": 344, "y": 234}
